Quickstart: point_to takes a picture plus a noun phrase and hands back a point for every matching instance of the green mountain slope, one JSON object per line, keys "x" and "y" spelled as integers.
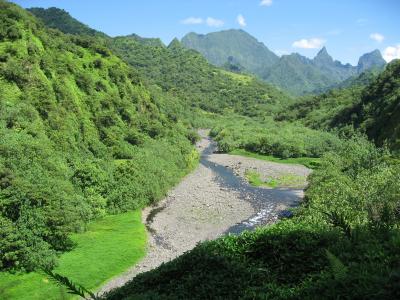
{"x": 370, "y": 62}
{"x": 294, "y": 73}
{"x": 378, "y": 112}
{"x": 60, "y": 19}
{"x": 219, "y": 47}
{"x": 334, "y": 69}
{"x": 80, "y": 137}
{"x": 186, "y": 75}
{"x": 297, "y": 74}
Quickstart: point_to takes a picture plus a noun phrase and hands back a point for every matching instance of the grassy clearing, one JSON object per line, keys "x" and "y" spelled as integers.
{"x": 284, "y": 180}
{"x": 309, "y": 162}
{"x": 109, "y": 247}
{"x": 238, "y": 77}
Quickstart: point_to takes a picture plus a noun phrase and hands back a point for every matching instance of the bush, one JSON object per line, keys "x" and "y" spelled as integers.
{"x": 267, "y": 137}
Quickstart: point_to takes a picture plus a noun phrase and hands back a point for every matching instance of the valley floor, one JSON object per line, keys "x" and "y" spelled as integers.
{"x": 210, "y": 202}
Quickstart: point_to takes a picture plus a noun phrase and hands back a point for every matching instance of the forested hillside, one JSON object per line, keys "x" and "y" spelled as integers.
{"x": 369, "y": 104}
{"x": 60, "y": 19}
{"x": 80, "y": 137}
{"x": 185, "y": 74}
{"x": 378, "y": 113}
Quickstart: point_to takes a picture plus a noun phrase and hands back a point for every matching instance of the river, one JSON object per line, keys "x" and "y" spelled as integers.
{"x": 212, "y": 201}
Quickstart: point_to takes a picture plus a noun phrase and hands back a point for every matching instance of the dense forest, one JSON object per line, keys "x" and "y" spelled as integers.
{"x": 93, "y": 126}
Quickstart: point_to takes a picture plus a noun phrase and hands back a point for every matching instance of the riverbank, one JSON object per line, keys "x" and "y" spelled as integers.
{"x": 196, "y": 210}
{"x": 208, "y": 203}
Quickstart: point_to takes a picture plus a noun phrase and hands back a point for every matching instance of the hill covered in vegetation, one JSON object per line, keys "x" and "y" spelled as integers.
{"x": 80, "y": 137}
{"x": 185, "y": 74}
{"x": 370, "y": 104}
{"x": 60, "y": 19}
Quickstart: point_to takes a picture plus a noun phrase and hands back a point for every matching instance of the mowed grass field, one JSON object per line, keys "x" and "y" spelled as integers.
{"x": 109, "y": 247}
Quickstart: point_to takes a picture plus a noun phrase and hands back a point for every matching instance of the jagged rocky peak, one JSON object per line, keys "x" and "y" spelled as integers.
{"x": 371, "y": 60}
{"x": 323, "y": 57}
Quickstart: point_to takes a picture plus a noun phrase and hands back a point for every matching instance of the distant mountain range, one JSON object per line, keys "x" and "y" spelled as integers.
{"x": 239, "y": 51}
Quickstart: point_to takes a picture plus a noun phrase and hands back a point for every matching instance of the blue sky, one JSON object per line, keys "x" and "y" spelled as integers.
{"x": 348, "y": 28}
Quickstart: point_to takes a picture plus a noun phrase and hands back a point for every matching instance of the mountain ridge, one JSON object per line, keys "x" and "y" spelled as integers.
{"x": 294, "y": 72}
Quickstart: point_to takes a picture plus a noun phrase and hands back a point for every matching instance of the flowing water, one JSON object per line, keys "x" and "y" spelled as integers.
{"x": 263, "y": 199}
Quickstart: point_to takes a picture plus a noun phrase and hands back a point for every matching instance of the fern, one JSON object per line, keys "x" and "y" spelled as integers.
{"x": 72, "y": 288}
{"x": 339, "y": 221}
{"x": 339, "y": 270}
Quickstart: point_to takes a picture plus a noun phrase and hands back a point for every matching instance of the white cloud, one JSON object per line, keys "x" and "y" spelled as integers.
{"x": 214, "y": 22}
{"x": 241, "y": 20}
{"x": 391, "y": 53}
{"x": 313, "y": 43}
{"x": 266, "y": 2}
{"x": 377, "y": 37}
{"x": 192, "y": 21}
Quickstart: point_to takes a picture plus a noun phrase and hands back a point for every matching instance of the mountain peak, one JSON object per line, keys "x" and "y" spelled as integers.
{"x": 175, "y": 44}
{"x": 371, "y": 60}
{"x": 323, "y": 51}
{"x": 323, "y": 57}
{"x": 246, "y": 50}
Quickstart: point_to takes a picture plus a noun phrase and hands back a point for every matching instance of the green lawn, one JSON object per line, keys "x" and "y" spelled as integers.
{"x": 309, "y": 162}
{"x": 109, "y": 247}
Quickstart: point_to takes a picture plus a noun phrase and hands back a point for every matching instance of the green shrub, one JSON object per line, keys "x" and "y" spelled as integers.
{"x": 283, "y": 140}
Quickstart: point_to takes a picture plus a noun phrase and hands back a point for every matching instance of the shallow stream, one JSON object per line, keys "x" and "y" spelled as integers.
{"x": 260, "y": 198}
